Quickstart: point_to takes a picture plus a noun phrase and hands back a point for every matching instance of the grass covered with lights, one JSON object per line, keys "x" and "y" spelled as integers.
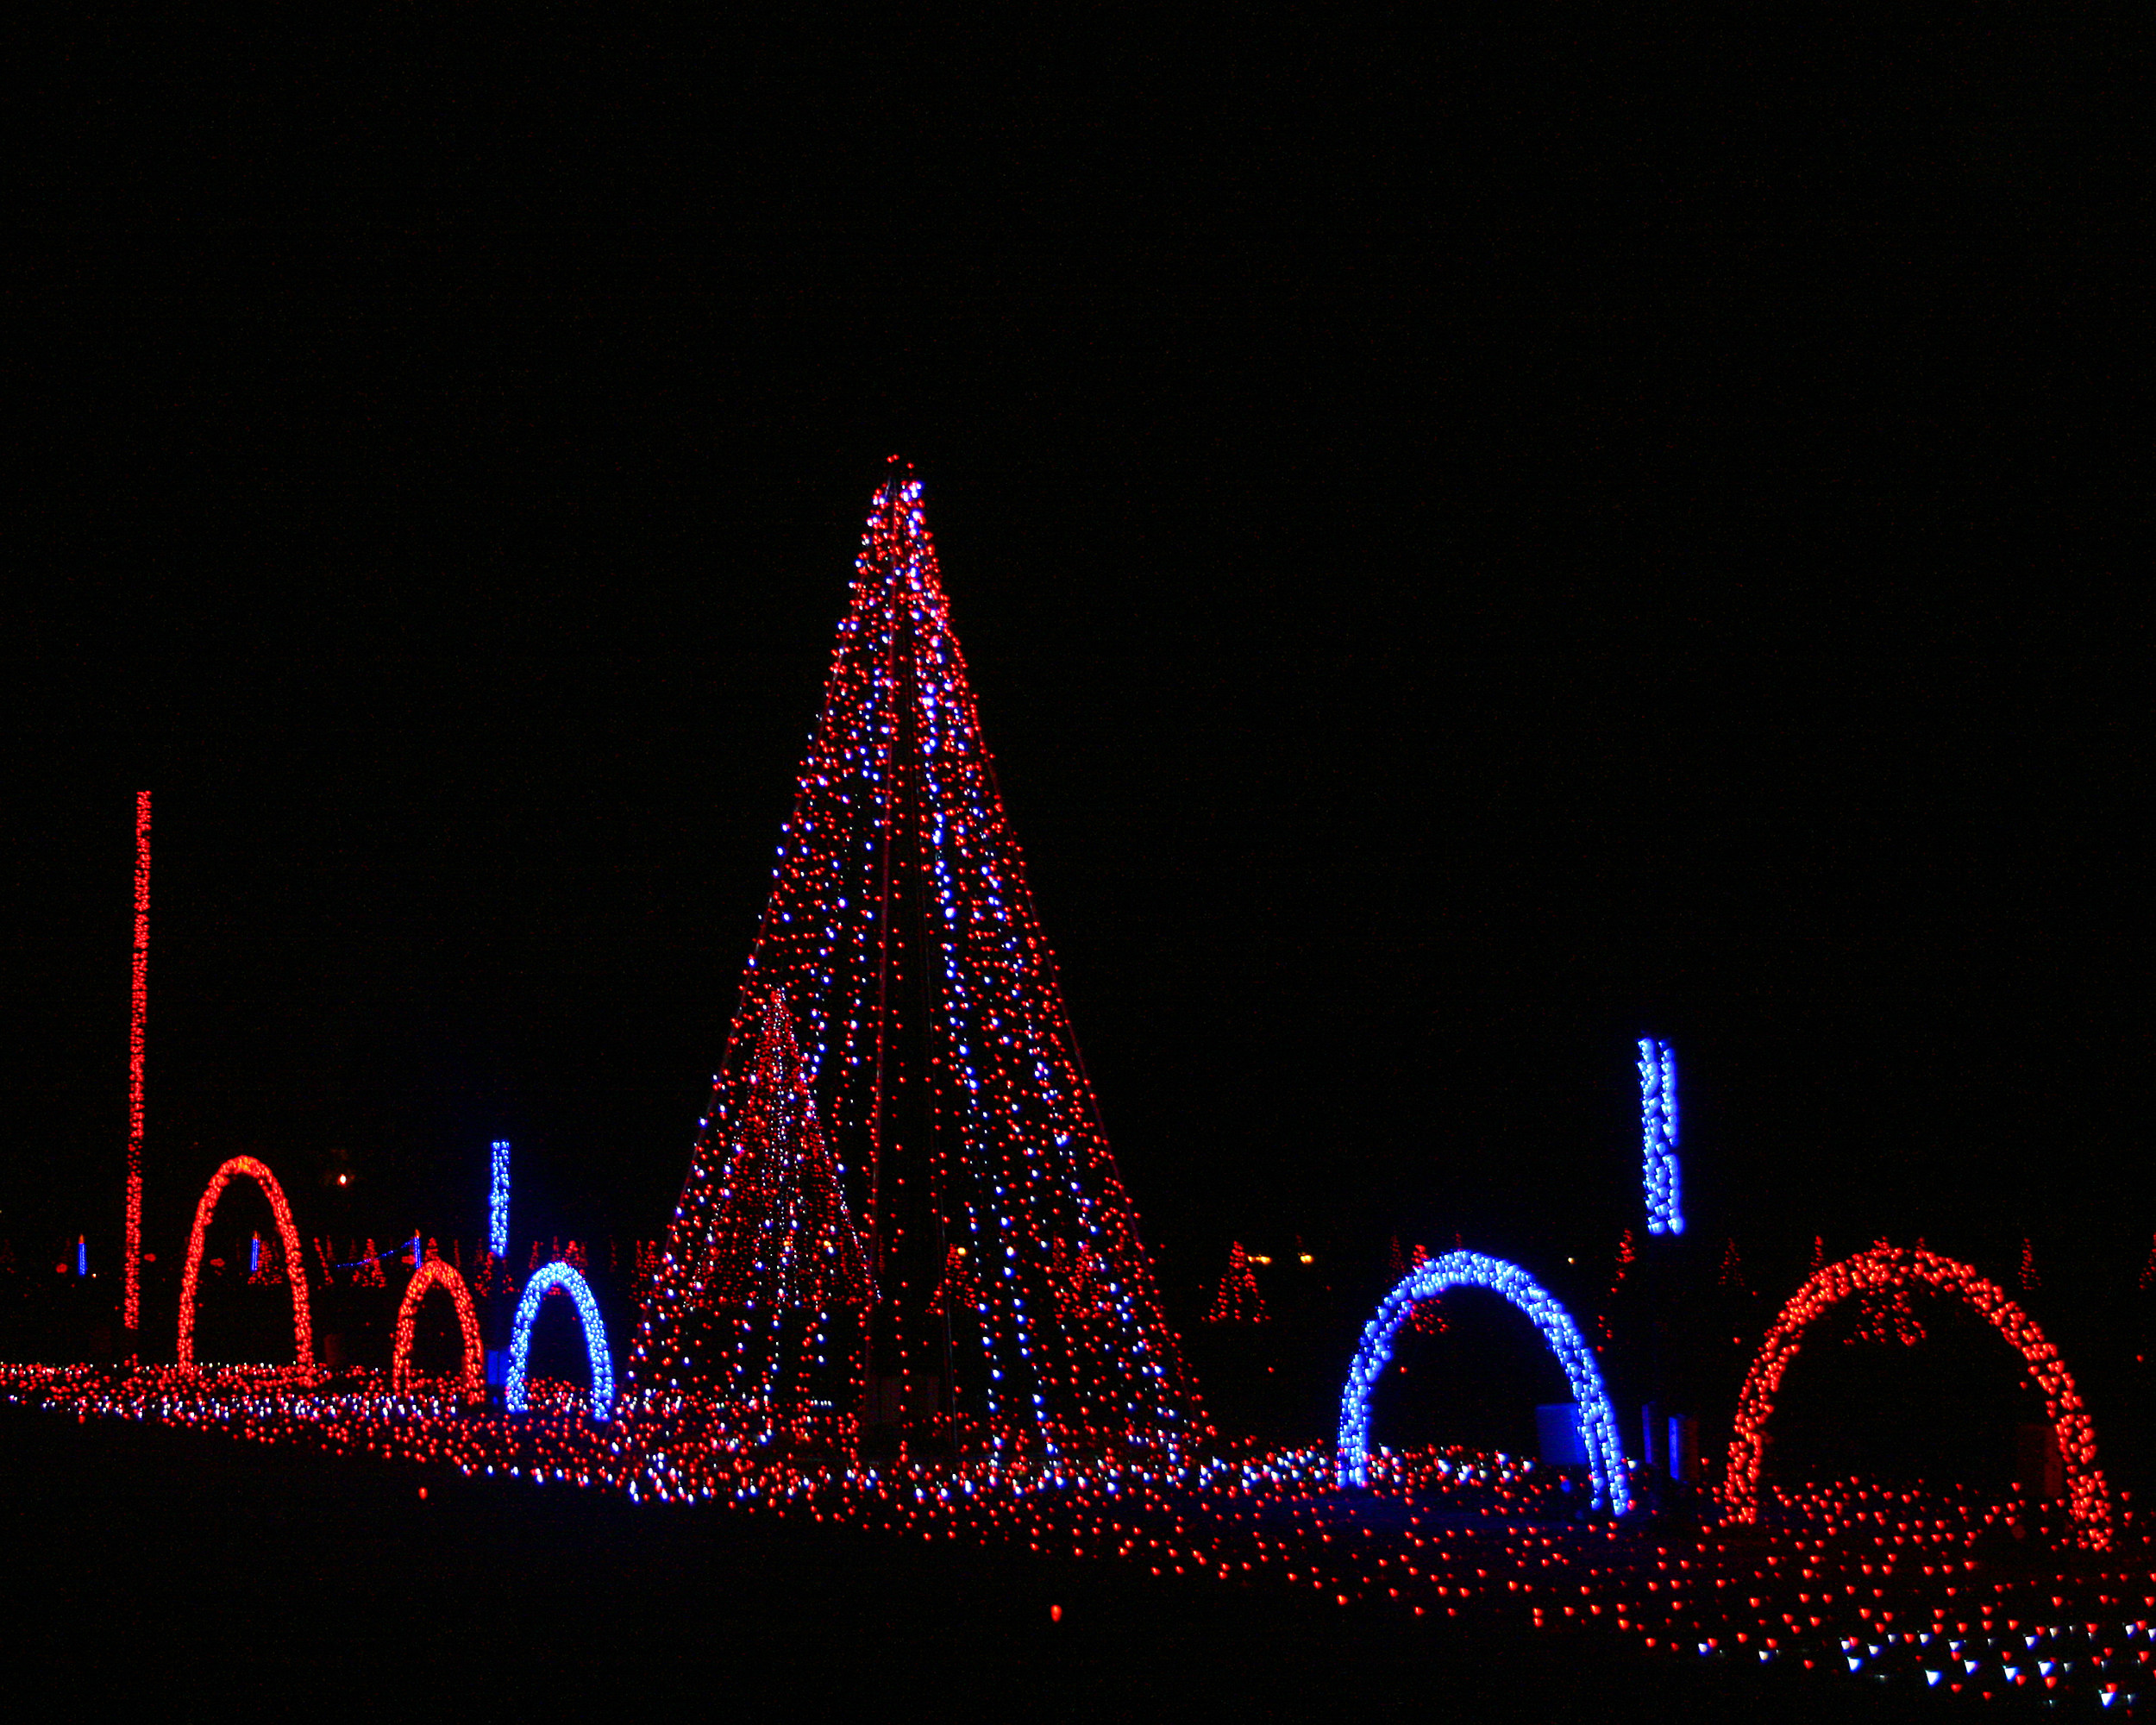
{"x": 1927, "y": 1591}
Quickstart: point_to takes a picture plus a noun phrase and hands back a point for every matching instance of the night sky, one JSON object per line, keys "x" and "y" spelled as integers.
{"x": 1469, "y": 553}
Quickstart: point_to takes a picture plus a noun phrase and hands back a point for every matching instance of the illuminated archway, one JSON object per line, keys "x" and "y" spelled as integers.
{"x": 1886, "y": 1267}
{"x": 1598, "y": 1421}
{"x": 437, "y": 1274}
{"x": 579, "y": 1292}
{"x": 295, "y": 1264}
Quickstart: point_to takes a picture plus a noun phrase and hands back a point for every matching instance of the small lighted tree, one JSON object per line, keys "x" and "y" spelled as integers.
{"x": 1237, "y": 1301}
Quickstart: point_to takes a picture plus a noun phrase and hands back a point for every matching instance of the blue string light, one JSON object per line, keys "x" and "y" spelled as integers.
{"x": 82, "y": 1255}
{"x": 1657, "y": 1133}
{"x": 365, "y": 1259}
{"x": 565, "y": 1277}
{"x": 255, "y": 1256}
{"x": 497, "y": 1202}
{"x": 1598, "y": 1421}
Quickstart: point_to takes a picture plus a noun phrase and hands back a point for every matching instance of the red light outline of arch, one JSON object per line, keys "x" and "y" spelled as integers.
{"x": 433, "y": 1274}
{"x": 295, "y": 1265}
{"x": 1889, "y": 1267}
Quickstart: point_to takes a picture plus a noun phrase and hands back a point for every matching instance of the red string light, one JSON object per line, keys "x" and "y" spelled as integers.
{"x": 1428, "y": 1317}
{"x": 131, "y": 1294}
{"x": 1885, "y": 1268}
{"x": 303, "y": 1330}
{"x": 1238, "y": 1300}
{"x": 960, "y": 1289}
{"x": 435, "y": 1273}
{"x": 901, "y": 932}
{"x": 1847, "y": 1576}
{"x": 782, "y": 1267}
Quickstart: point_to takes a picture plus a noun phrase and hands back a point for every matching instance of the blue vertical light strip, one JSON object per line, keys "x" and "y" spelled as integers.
{"x": 1658, "y": 1137}
{"x": 255, "y": 1256}
{"x": 82, "y": 1255}
{"x": 497, "y": 1202}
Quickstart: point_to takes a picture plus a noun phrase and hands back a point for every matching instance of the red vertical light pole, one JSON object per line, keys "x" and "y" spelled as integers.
{"x": 132, "y": 1310}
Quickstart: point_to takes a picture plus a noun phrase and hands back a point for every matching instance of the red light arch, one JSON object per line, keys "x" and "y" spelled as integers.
{"x": 437, "y": 1274}
{"x": 303, "y": 1328}
{"x": 1886, "y": 1267}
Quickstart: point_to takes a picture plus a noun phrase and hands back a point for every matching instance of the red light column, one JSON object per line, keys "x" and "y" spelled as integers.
{"x": 132, "y": 1308}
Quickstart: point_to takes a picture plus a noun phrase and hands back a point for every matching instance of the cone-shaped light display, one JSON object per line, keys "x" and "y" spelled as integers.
{"x": 1015, "y": 1305}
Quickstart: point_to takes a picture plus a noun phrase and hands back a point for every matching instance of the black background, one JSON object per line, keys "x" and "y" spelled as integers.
{"x": 1471, "y": 548}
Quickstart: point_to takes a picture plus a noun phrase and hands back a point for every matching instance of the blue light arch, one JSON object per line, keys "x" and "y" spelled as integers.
{"x": 1598, "y": 1421}
{"x": 563, "y": 1276}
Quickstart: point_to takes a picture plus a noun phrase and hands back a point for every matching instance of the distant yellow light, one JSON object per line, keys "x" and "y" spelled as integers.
{"x": 344, "y": 1179}
{"x": 1306, "y": 1259}
{"x": 1255, "y": 1259}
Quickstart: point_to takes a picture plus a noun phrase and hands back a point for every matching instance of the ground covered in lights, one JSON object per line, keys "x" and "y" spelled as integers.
{"x": 1484, "y": 1569}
